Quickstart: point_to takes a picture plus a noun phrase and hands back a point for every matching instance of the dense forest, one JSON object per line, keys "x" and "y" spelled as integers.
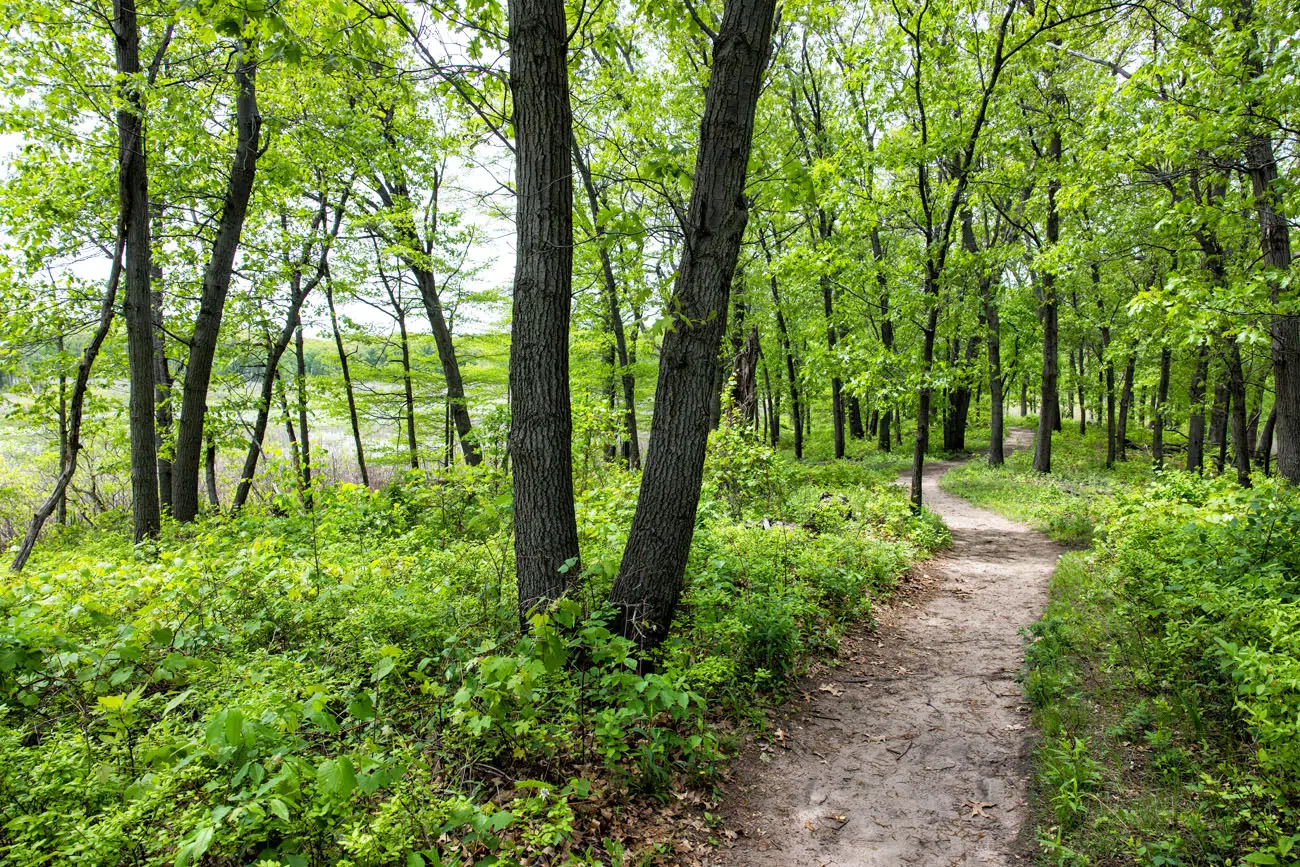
{"x": 450, "y": 433}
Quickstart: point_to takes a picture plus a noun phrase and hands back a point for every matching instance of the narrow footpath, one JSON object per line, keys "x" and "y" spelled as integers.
{"x": 916, "y": 750}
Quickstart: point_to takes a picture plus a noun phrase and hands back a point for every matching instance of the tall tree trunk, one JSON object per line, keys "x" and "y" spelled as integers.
{"x": 837, "y": 385}
{"x": 162, "y": 395}
{"x": 853, "y": 407}
{"x": 1196, "y": 421}
{"x": 1049, "y": 415}
{"x": 216, "y": 283}
{"x": 625, "y": 374}
{"x": 1241, "y": 442}
{"x": 921, "y": 442}
{"x": 996, "y": 423}
{"x": 346, "y": 370}
{"x": 62, "y": 516}
{"x": 791, "y": 373}
{"x": 1125, "y": 408}
{"x": 1275, "y": 244}
{"x": 133, "y": 194}
{"x": 886, "y": 324}
{"x": 541, "y": 426}
{"x": 1109, "y": 364}
{"x": 1083, "y": 403}
{"x": 424, "y": 279}
{"x": 1158, "y": 423}
{"x": 649, "y": 581}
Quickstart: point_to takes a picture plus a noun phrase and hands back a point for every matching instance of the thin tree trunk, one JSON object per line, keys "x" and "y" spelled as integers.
{"x": 1125, "y": 407}
{"x": 216, "y": 283}
{"x": 347, "y": 385}
{"x": 210, "y": 471}
{"x": 791, "y": 374}
{"x": 886, "y": 326}
{"x": 408, "y": 392}
{"x": 997, "y": 431}
{"x": 62, "y": 517}
{"x": 649, "y": 581}
{"x": 624, "y": 373}
{"x": 1219, "y": 422}
{"x": 1241, "y": 442}
{"x": 162, "y": 395}
{"x": 541, "y": 427}
{"x": 79, "y": 388}
{"x": 1083, "y": 403}
{"x": 837, "y": 385}
{"x": 1158, "y": 423}
{"x": 303, "y": 428}
{"x": 1049, "y": 415}
{"x": 137, "y": 307}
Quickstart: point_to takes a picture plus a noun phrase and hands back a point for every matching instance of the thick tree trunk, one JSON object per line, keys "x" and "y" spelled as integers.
{"x": 624, "y": 372}
{"x": 1158, "y": 423}
{"x": 346, "y": 370}
{"x": 1275, "y": 244}
{"x": 1241, "y": 442}
{"x": 133, "y": 195}
{"x": 216, "y": 283}
{"x": 1196, "y": 421}
{"x": 649, "y": 581}
{"x": 541, "y": 426}
{"x": 853, "y": 407}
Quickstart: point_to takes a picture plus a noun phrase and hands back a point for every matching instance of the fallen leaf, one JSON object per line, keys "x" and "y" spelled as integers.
{"x": 831, "y": 688}
{"x": 977, "y": 808}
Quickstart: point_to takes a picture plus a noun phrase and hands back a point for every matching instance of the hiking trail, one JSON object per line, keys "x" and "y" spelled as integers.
{"x": 916, "y": 749}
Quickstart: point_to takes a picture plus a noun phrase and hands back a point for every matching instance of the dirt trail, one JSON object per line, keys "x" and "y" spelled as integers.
{"x": 922, "y": 756}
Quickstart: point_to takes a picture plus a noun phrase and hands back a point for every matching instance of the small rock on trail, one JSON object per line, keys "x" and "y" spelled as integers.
{"x": 916, "y": 750}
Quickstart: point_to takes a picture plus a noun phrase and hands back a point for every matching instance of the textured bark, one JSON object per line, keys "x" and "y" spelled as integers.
{"x": 541, "y": 427}
{"x": 1196, "y": 422}
{"x": 649, "y": 581}
{"x": 853, "y": 408}
{"x": 346, "y": 370}
{"x": 625, "y": 375}
{"x": 1158, "y": 416}
{"x": 133, "y": 195}
{"x": 1275, "y": 245}
{"x": 216, "y": 283}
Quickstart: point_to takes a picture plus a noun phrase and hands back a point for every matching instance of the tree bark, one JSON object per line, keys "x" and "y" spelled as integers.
{"x": 346, "y": 370}
{"x": 886, "y": 325}
{"x": 216, "y": 283}
{"x": 1241, "y": 442}
{"x": 1125, "y": 408}
{"x": 1264, "y": 450}
{"x": 304, "y": 431}
{"x": 541, "y": 427}
{"x": 649, "y": 581}
{"x": 210, "y": 471}
{"x": 133, "y": 194}
{"x": 1049, "y": 415}
{"x": 1158, "y": 416}
{"x": 408, "y": 392}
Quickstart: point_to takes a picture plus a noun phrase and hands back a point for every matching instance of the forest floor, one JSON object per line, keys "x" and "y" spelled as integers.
{"x": 916, "y": 749}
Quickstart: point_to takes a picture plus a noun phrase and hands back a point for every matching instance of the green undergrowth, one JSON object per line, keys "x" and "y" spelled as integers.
{"x": 348, "y": 685}
{"x": 1065, "y": 504}
{"x": 1165, "y": 674}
